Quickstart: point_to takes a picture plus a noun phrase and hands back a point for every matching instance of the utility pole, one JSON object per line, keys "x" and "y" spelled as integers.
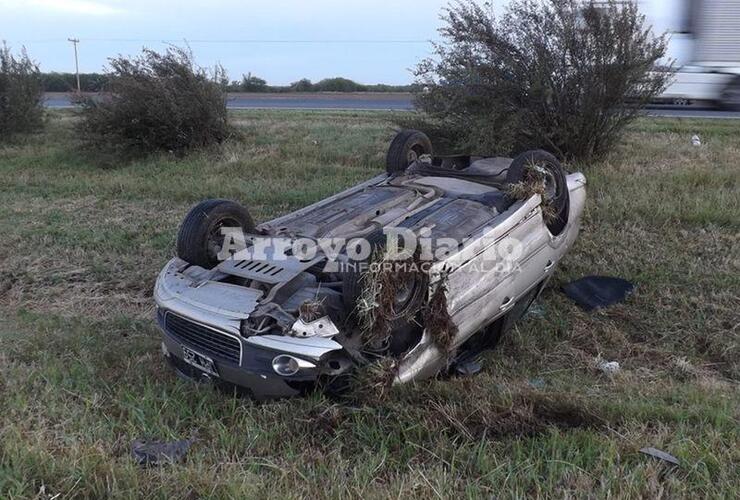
{"x": 75, "y": 41}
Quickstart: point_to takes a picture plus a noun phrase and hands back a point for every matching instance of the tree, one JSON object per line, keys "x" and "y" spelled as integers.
{"x": 303, "y": 85}
{"x": 555, "y": 74}
{"x": 21, "y": 94}
{"x": 252, "y": 83}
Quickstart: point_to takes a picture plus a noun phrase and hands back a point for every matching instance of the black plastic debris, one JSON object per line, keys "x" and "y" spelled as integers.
{"x": 596, "y": 292}
{"x": 152, "y": 453}
{"x": 659, "y": 454}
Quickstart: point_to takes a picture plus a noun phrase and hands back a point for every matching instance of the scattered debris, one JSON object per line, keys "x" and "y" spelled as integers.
{"x": 537, "y": 383}
{"x": 659, "y": 454}
{"x": 468, "y": 368}
{"x": 153, "y": 453}
{"x": 609, "y": 368}
{"x": 596, "y": 292}
{"x": 536, "y": 310}
{"x": 696, "y": 141}
{"x": 323, "y": 327}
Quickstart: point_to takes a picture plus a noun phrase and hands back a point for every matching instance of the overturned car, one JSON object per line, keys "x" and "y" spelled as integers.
{"x": 426, "y": 265}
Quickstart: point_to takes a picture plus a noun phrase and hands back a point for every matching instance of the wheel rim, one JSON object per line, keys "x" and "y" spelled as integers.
{"x": 411, "y": 157}
{"x": 405, "y": 296}
{"x": 215, "y": 241}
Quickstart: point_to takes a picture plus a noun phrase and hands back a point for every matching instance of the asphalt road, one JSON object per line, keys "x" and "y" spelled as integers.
{"x": 378, "y": 102}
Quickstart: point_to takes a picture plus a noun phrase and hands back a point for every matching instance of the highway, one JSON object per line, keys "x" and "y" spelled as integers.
{"x": 378, "y": 102}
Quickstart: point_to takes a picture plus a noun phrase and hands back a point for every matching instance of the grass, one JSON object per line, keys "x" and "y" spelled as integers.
{"x": 81, "y": 376}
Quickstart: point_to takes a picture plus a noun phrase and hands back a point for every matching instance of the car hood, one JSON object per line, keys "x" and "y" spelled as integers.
{"x": 188, "y": 292}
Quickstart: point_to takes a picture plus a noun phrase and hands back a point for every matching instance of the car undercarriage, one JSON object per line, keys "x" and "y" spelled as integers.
{"x": 377, "y": 271}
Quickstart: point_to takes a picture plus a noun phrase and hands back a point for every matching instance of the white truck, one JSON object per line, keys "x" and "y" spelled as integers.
{"x": 708, "y": 34}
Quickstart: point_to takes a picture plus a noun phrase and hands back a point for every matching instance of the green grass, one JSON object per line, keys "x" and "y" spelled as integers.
{"x": 81, "y": 376}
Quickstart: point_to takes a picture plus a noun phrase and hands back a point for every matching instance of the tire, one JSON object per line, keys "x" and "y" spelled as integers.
{"x": 556, "y": 194}
{"x": 730, "y": 99}
{"x": 199, "y": 240}
{"x": 407, "y": 147}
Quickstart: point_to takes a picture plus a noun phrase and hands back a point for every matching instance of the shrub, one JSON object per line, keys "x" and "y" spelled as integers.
{"x": 338, "y": 84}
{"x": 559, "y": 74}
{"x": 156, "y": 102}
{"x": 21, "y": 94}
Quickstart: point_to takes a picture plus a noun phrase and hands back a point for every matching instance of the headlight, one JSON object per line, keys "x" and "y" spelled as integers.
{"x": 287, "y": 366}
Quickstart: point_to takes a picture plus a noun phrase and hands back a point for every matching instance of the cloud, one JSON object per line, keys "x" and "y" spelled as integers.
{"x": 81, "y": 7}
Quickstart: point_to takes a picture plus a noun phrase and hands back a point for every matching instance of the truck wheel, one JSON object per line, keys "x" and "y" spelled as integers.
{"x": 407, "y": 147}
{"x": 730, "y": 99}
{"x": 199, "y": 240}
{"x": 545, "y": 165}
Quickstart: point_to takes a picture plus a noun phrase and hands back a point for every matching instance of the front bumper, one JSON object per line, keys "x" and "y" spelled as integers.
{"x": 252, "y": 372}
{"x": 214, "y": 332}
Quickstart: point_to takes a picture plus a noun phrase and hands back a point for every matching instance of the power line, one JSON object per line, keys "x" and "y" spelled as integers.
{"x": 227, "y": 41}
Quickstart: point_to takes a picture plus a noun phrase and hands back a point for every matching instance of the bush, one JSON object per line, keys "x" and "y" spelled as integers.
{"x": 21, "y": 94}
{"x": 156, "y": 102}
{"x": 67, "y": 82}
{"x": 338, "y": 84}
{"x": 557, "y": 74}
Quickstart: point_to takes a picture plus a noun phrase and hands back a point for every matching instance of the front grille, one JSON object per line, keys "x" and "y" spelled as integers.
{"x": 203, "y": 339}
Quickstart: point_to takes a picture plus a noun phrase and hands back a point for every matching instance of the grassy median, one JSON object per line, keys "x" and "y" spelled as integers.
{"x": 81, "y": 375}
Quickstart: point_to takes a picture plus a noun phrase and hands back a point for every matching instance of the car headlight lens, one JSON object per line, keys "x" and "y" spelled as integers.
{"x": 287, "y": 366}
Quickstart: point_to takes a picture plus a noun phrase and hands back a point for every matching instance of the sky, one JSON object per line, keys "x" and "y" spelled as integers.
{"x": 282, "y": 41}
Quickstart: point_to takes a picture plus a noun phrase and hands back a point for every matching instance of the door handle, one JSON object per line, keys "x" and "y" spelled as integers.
{"x": 506, "y": 304}
{"x": 549, "y": 265}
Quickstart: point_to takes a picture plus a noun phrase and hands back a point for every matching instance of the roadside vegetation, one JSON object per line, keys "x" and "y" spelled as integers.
{"x": 81, "y": 376}
{"x": 558, "y": 75}
{"x": 21, "y": 109}
{"x": 156, "y": 102}
{"x": 95, "y": 82}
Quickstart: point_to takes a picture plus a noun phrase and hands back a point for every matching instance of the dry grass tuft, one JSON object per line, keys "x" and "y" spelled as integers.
{"x": 532, "y": 184}
{"x": 373, "y": 382}
{"x": 437, "y": 318}
{"x": 376, "y": 304}
{"x": 312, "y": 310}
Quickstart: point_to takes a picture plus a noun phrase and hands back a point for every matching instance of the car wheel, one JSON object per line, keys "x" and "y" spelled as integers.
{"x": 407, "y": 304}
{"x": 199, "y": 240}
{"x": 407, "y": 147}
{"x": 545, "y": 165}
{"x": 730, "y": 99}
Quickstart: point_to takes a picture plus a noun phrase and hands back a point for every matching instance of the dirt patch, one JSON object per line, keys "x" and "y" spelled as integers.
{"x": 527, "y": 414}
